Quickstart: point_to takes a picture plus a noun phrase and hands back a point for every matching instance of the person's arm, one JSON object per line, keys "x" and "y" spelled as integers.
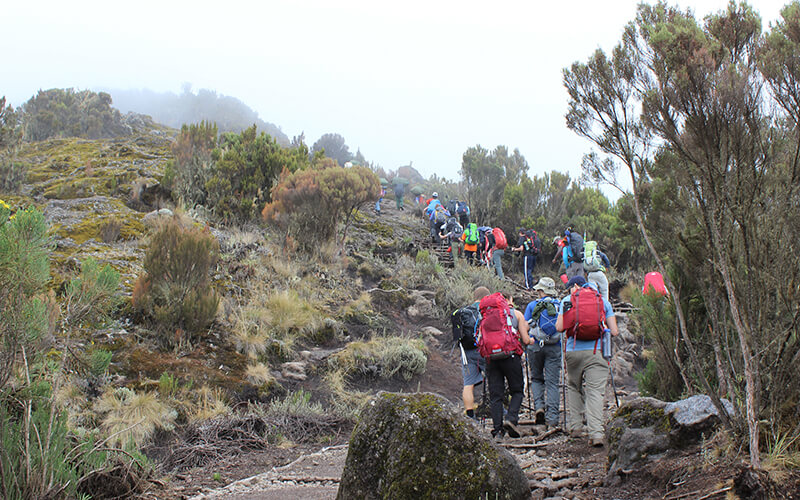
{"x": 611, "y": 320}
{"x": 560, "y": 318}
{"x": 523, "y": 328}
{"x": 558, "y": 254}
{"x": 604, "y": 259}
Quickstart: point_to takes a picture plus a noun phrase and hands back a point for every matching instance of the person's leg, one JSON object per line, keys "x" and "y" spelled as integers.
{"x": 537, "y": 377}
{"x": 497, "y": 256}
{"x": 595, "y": 375}
{"x": 526, "y": 280}
{"x": 552, "y": 373}
{"x": 471, "y": 376}
{"x": 513, "y": 373}
{"x": 574, "y": 391}
{"x": 496, "y": 390}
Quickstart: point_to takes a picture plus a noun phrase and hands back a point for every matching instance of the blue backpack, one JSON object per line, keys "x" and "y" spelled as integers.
{"x": 543, "y": 320}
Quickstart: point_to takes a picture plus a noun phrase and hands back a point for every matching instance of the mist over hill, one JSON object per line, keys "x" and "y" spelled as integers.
{"x": 229, "y": 113}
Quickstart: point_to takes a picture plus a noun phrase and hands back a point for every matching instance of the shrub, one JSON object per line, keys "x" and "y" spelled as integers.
{"x": 12, "y": 172}
{"x": 70, "y": 113}
{"x": 310, "y": 203}
{"x": 175, "y": 290}
{"x": 194, "y": 162}
{"x": 99, "y": 361}
{"x": 655, "y": 317}
{"x": 24, "y": 271}
{"x": 93, "y": 295}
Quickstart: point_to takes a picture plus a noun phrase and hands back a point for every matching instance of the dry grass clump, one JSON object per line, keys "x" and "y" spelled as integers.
{"x": 259, "y": 374}
{"x": 208, "y": 403}
{"x": 131, "y": 417}
{"x": 382, "y": 357}
{"x": 275, "y": 322}
{"x": 455, "y": 289}
{"x": 294, "y": 418}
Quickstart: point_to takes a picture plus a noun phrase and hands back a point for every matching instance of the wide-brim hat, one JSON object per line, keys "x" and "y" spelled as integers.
{"x": 547, "y": 285}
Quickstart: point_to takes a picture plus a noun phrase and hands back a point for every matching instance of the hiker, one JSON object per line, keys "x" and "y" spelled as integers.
{"x": 451, "y": 232}
{"x": 380, "y": 199}
{"x": 560, "y": 242}
{"x": 587, "y": 371}
{"x": 419, "y": 199}
{"x": 544, "y": 353}
{"x": 495, "y": 249}
{"x": 595, "y": 264}
{"x": 462, "y": 212}
{"x": 572, "y": 253}
{"x": 473, "y": 366}
{"x": 500, "y": 331}
{"x": 399, "y": 191}
{"x": 471, "y": 238}
{"x": 527, "y": 244}
{"x": 438, "y": 218}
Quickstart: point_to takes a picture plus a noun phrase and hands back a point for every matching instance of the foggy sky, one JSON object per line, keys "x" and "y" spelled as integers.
{"x": 417, "y": 81}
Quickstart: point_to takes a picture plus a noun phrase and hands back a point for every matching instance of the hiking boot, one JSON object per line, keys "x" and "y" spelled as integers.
{"x": 538, "y": 417}
{"x": 596, "y": 442}
{"x": 512, "y": 429}
{"x": 498, "y": 434}
{"x": 553, "y": 427}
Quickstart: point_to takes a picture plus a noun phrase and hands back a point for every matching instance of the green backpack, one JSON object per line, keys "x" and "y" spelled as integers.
{"x": 472, "y": 234}
{"x": 591, "y": 260}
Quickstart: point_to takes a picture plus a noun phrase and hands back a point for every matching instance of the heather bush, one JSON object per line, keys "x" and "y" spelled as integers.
{"x": 175, "y": 291}
{"x": 309, "y": 204}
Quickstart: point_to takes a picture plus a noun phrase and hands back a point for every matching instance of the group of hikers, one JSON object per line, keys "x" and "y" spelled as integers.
{"x": 571, "y": 330}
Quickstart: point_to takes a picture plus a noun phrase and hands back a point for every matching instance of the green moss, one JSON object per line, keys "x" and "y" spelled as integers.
{"x": 412, "y": 447}
{"x": 380, "y": 229}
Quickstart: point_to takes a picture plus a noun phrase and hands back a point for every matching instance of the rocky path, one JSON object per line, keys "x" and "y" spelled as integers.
{"x": 557, "y": 466}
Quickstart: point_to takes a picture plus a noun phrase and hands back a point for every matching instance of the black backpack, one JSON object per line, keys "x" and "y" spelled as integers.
{"x": 465, "y": 322}
{"x": 576, "y": 245}
{"x": 462, "y": 208}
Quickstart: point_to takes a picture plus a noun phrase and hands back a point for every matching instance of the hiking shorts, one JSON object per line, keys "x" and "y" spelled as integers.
{"x": 472, "y": 370}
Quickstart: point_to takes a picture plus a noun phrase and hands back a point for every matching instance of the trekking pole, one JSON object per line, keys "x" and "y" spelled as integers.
{"x": 528, "y": 369}
{"x": 607, "y": 351}
{"x": 564, "y": 379}
{"x": 613, "y": 387}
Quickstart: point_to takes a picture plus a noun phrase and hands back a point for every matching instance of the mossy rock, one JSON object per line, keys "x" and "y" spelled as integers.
{"x": 418, "y": 446}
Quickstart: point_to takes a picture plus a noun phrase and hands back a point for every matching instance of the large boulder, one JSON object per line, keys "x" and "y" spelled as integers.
{"x": 419, "y": 446}
{"x": 645, "y": 428}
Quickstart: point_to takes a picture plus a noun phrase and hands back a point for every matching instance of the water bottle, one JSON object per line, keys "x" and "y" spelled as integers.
{"x": 607, "y": 354}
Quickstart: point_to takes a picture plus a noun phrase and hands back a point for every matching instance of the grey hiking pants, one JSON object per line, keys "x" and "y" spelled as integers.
{"x": 497, "y": 256}
{"x": 545, "y": 365}
{"x": 599, "y": 278}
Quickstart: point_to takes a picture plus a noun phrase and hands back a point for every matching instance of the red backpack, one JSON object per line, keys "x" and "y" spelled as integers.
{"x": 585, "y": 319}
{"x": 497, "y": 336}
{"x": 500, "y": 241}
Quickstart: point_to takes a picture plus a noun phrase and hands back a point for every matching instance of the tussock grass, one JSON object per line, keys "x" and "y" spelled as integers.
{"x": 210, "y": 403}
{"x": 259, "y": 374}
{"x": 382, "y": 357}
{"x": 455, "y": 290}
{"x": 131, "y": 417}
{"x": 273, "y": 323}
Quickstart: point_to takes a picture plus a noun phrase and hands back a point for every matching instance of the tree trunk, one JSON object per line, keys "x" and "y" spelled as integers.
{"x": 676, "y": 301}
{"x": 751, "y": 371}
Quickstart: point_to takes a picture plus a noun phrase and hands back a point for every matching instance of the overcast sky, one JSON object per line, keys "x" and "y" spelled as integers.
{"x": 418, "y": 80}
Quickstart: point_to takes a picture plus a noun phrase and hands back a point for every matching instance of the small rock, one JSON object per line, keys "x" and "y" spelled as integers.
{"x": 294, "y": 370}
